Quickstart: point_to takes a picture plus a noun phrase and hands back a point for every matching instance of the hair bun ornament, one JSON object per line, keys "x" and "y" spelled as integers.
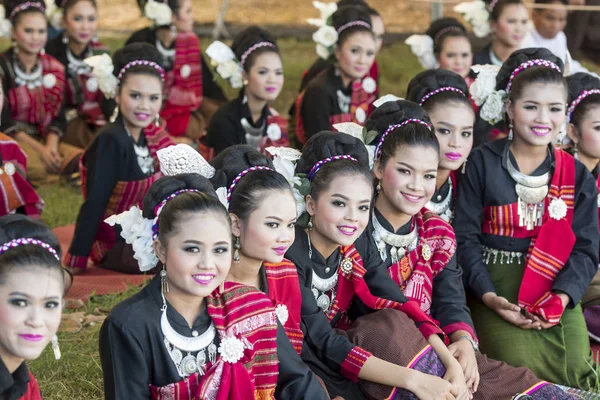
{"x": 360, "y": 132}
{"x": 476, "y": 13}
{"x": 422, "y": 47}
{"x": 326, "y": 36}
{"x": 158, "y": 12}
{"x": 5, "y": 25}
{"x": 227, "y": 65}
{"x": 284, "y": 162}
{"x": 183, "y": 159}
{"x": 102, "y": 71}
{"x": 137, "y": 231}
{"x": 54, "y": 14}
{"x": 386, "y": 98}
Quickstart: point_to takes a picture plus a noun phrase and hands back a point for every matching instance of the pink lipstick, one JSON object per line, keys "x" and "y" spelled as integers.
{"x": 280, "y": 250}
{"x": 271, "y": 89}
{"x": 541, "y": 130}
{"x": 452, "y": 156}
{"x": 31, "y": 337}
{"x": 348, "y": 230}
{"x": 203, "y": 279}
{"x": 142, "y": 116}
{"x": 412, "y": 198}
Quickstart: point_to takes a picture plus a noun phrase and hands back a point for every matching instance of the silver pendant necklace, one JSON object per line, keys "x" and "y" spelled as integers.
{"x": 168, "y": 55}
{"x": 144, "y": 158}
{"x": 531, "y": 192}
{"x": 442, "y": 207}
{"x": 76, "y": 65}
{"x": 176, "y": 344}
{"x": 253, "y": 135}
{"x": 400, "y": 244}
{"x": 32, "y": 80}
{"x": 323, "y": 289}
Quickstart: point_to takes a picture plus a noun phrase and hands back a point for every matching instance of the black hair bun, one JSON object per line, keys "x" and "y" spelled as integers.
{"x": 248, "y": 38}
{"x": 133, "y": 52}
{"x": 16, "y": 226}
{"x": 430, "y": 80}
{"x": 394, "y": 113}
{"x": 233, "y": 160}
{"x": 327, "y": 144}
{"x": 10, "y": 5}
{"x": 350, "y": 13}
{"x": 579, "y": 82}
{"x": 521, "y": 56}
{"x": 167, "y": 185}
{"x": 443, "y": 25}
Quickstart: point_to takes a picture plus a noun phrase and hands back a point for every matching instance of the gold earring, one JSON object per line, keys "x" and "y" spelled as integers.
{"x": 245, "y": 82}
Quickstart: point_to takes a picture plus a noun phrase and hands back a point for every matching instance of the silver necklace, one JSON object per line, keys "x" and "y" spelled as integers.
{"x": 167, "y": 54}
{"x": 253, "y": 135}
{"x": 320, "y": 287}
{"x": 32, "y": 80}
{"x": 142, "y": 153}
{"x": 400, "y": 244}
{"x": 77, "y": 66}
{"x": 531, "y": 192}
{"x": 343, "y": 102}
{"x": 443, "y": 208}
{"x": 176, "y": 344}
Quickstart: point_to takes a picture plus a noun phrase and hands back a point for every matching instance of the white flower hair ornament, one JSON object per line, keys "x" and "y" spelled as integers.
{"x": 422, "y": 47}
{"x": 5, "y": 25}
{"x": 102, "y": 71}
{"x": 284, "y": 161}
{"x": 477, "y": 14}
{"x": 384, "y": 99}
{"x": 484, "y": 94}
{"x": 158, "y": 12}
{"x": 227, "y": 65}
{"x": 183, "y": 159}
{"x": 326, "y": 36}
{"x": 54, "y": 14}
{"x": 360, "y": 132}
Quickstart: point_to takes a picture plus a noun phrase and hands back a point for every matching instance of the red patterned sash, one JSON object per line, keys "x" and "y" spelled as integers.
{"x": 284, "y": 290}
{"x": 248, "y": 315}
{"x": 183, "y": 84}
{"x": 549, "y": 250}
{"x": 41, "y": 105}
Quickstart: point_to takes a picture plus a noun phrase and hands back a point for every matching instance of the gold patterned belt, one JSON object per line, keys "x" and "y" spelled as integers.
{"x": 488, "y": 253}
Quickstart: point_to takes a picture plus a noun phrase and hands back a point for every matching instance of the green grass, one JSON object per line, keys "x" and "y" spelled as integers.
{"x": 78, "y": 374}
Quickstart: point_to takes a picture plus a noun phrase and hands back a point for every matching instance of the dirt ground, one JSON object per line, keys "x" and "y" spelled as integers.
{"x": 400, "y": 16}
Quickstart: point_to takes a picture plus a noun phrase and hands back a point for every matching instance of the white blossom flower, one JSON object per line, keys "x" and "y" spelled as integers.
{"x": 231, "y": 349}
{"x": 158, "y": 12}
{"x": 484, "y": 84}
{"x": 102, "y": 70}
{"x": 219, "y": 52}
{"x": 323, "y": 51}
{"x": 282, "y": 313}
{"x": 557, "y": 209}
{"x": 422, "y": 47}
{"x": 360, "y": 115}
{"x": 236, "y": 81}
{"x": 385, "y": 99}
{"x": 369, "y": 85}
{"x": 326, "y": 9}
{"x": 222, "y": 195}
{"x": 476, "y": 14}
{"x": 228, "y": 68}
{"x": 274, "y": 132}
{"x": 326, "y": 35}
{"x": 49, "y": 80}
{"x": 5, "y": 25}
{"x": 318, "y": 22}
{"x": 54, "y": 14}
{"x": 300, "y": 202}
{"x": 492, "y": 110}
{"x": 371, "y": 151}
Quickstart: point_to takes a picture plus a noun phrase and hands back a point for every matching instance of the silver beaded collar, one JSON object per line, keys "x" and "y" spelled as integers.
{"x": 443, "y": 208}
{"x": 32, "y": 79}
{"x": 167, "y": 54}
{"x": 399, "y": 243}
{"x": 323, "y": 289}
{"x": 78, "y": 66}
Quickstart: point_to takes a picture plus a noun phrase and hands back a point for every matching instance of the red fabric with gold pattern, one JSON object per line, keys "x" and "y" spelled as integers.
{"x": 247, "y": 314}
{"x": 548, "y": 251}
{"x": 284, "y": 290}
{"x": 183, "y": 84}
{"x": 41, "y": 105}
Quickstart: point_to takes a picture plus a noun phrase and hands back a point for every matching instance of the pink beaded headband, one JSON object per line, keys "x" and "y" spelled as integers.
{"x": 452, "y": 28}
{"x": 492, "y": 5}
{"x": 528, "y": 64}
{"x": 254, "y": 48}
{"x": 241, "y": 175}
{"x": 578, "y": 100}
{"x": 317, "y": 166}
{"x": 393, "y": 128}
{"x": 26, "y": 241}
{"x": 351, "y": 24}
{"x": 440, "y": 90}
{"x": 25, "y": 6}
{"x": 161, "y": 205}
{"x": 147, "y": 63}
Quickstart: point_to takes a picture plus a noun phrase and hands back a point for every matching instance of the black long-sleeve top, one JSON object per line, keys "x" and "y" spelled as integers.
{"x": 488, "y": 183}
{"x": 14, "y": 386}
{"x": 210, "y": 88}
{"x": 133, "y": 353}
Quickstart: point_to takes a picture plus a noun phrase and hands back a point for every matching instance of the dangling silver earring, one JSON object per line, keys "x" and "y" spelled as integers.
{"x": 378, "y": 187}
{"x": 15, "y": 47}
{"x": 43, "y": 52}
{"x": 95, "y": 38}
{"x": 56, "y": 348}
{"x": 464, "y": 166}
{"x": 157, "y": 121}
{"x": 173, "y": 31}
{"x": 65, "y": 38}
{"x": 310, "y": 224}
{"x": 114, "y": 115}
{"x": 510, "y": 131}
{"x": 575, "y": 151}
{"x": 237, "y": 246}
{"x": 164, "y": 280}
{"x": 245, "y": 82}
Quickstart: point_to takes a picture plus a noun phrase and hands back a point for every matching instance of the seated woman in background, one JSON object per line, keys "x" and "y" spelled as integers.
{"x": 34, "y": 84}
{"x": 249, "y": 119}
{"x": 86, "y": 108}
{"x": 191, "y": 94}
{"x": 120, "y": 165}
{"x": 32, "y": 286}
{"x": 344, "y": 92}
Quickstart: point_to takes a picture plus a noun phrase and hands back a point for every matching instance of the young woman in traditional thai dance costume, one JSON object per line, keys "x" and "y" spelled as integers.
{"x": 253, "y": 63}
{"x": 34, "y": 84}
{"x": 583, "y": 118}
{"x": 344, "y": 92}
{"x": 120, "y": 165}
{"x": 191, "y": 94}
{"x": 417, "y": 248}
{"x": 188, "y": 333}
{"x": 86, "y": 108}
{"x": 32, "y": 286}
{"x": 526, "y": 243}
{"x": 444, "y": 96}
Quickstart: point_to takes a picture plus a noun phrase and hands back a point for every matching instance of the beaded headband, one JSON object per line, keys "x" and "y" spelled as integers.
{"x": 440, "y": 90}
{"x": 578, "y": 100}
{"x": 351, "y": 24}
{"x": 452, "y": 28}
{"x": 318, "y": 165}
{"x": 147, "y": 63}
{"x": 393, "y": 128}
{"x": 492, "y": 5}
{"x": 26, "y": 241}
{"x": 254, "y": 48}
{"x": 161, "y": 205}
{"x": 241, "y": 175}
{"x": 528, "y": 64}
{"x": 25, "y": 6}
